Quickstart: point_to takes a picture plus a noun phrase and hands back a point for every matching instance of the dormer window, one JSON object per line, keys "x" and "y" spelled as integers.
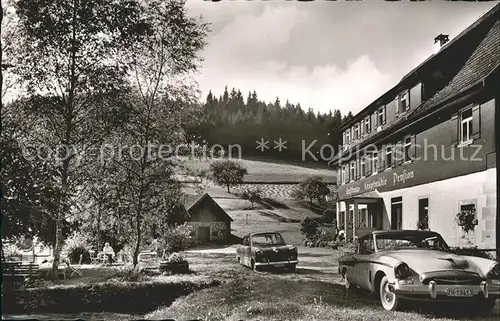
{"x": 368, "y": 126}
{"x": 403, "y": 102}
{"x": 381, "y": 116}
{"x": 356, "y": 131}
{"x": 348, "y": 136}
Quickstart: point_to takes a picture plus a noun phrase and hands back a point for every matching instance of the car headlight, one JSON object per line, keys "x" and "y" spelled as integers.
{"x": 402, "y": 271}
{"x": 494, "y": 271}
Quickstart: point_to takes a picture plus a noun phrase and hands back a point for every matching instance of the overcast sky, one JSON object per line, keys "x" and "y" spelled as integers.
{"x": 325, "y": 55}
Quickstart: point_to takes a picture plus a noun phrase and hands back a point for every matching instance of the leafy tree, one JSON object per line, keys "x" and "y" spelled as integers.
{"x": 67, "y": 56}
{"x": 161, "y": 105}
{"x": 227, "y": 173}
{"x": 309, "y": 227}
{"x": 311, "y": 189}
{"x": 252, "y": 194}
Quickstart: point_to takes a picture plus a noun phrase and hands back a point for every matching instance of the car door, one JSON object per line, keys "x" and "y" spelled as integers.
{"x": 245, "y": 251}
{"x": 362, "y": 262}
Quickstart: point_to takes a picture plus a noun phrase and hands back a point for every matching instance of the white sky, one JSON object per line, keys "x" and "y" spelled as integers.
{"x": 325, "y": 55}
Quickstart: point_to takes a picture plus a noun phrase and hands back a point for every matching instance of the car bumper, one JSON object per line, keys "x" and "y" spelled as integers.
{"x": 435, "y": 291}
{"x": 277, "y": 264}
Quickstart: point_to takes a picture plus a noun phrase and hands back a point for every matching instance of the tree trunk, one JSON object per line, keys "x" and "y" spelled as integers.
{"x": 228, "y": 189}
{"x": 138, "y": 242}
{"x": 67, "y": 142}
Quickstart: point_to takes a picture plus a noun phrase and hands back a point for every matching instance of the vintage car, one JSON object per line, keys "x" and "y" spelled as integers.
{"x": 267, "y": 250}
{"x": 418, "y": 265}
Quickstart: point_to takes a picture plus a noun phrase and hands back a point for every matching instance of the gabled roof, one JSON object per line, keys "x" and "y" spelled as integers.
{"x": 482, "y": 63}
{"x": 191, "y": 201}
{"x": 489, "y": 48}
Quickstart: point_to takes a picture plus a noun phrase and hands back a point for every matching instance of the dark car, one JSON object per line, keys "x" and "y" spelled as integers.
{"x": 267, "y": 250}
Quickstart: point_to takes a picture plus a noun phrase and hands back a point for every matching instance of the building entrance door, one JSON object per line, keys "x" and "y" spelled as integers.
{"x": 204, "y": 233}
{"x": 396, "y": 213}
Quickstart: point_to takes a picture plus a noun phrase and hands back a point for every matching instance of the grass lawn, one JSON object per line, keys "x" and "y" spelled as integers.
{"x": 314, "y": 292}
{"x": 260, "y": 171}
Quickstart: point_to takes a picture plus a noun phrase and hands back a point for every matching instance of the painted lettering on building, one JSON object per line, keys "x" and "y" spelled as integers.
{"x": 352, "y": 190}
{"x": 403, "y": 177}
{"x": 376, "y": 184}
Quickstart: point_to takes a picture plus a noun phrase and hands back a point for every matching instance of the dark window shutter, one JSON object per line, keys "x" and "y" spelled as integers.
{"x": 369, "y": 125}
{"x": 476, "y": 122}
{"x": 399, "y": 154}
{"x": 454, "y": 124}
{"x": 385, "y": 115}
{"x": 413, "y": 148}
{"x": 416, "y": 96}
{"x": 348, "y": 173}
{"x": 381, "y": 161}
{"x": 396, "y": 106}
{"x": 368, "y": 166}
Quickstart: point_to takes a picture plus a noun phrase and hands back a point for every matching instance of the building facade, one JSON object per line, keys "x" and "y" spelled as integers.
{"x": 425, "y": 150}
{"x": 209, "y": 221}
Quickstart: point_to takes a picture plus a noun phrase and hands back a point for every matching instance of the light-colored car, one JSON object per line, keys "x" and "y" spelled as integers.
{"x": 267, "y": 250}
{"x": 418, "y": 265}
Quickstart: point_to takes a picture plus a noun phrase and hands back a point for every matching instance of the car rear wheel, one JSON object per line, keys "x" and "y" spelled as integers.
{"x": 389, "y": 299}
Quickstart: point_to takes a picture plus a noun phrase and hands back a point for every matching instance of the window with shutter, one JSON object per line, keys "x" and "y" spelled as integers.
{"x": 388, "y": 157}
{"x": 375, "y": 162}
{"x": 385, "y": 115}
{"x": 466, "y": 126}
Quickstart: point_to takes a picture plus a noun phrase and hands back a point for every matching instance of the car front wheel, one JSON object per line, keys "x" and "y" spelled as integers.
{"x": 389, "y": 299}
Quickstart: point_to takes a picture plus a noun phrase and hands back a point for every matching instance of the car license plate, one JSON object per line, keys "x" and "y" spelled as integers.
{"x": 279, "y": 265}
{"x": 459, "y": 292}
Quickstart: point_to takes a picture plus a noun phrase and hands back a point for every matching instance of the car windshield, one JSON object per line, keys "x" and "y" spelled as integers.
{"x": 268, "y": 239}
{"x": 387, "y": 242}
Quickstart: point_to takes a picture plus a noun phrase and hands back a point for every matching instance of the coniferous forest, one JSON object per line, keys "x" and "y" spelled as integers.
{"x": 232, "y": 119}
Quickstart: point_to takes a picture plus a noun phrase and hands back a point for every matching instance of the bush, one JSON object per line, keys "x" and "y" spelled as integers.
{"x": 309, "y": 228}
{"x": 176, "y": 258}
{"x": 75, "y": 246}
{"x": 75, "y": 252}
{"x": 177, "y": 239}
{"x": 347, "y": 249}
{"x": 471, "y": 251}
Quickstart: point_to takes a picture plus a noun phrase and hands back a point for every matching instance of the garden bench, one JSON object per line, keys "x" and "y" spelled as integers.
{"x": 20, "y": 270}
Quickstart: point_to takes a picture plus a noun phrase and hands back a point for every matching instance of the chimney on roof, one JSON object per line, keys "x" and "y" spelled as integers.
{"x": 440, "y": 41}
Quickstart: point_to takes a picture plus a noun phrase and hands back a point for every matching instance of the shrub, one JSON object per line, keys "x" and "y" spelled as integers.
{"x": 471, "y": 251}
{"x": 176, "y": 258}
{"x": 309, "y": 227}
{"x": 347, "y": 249}
{"x": 75, "y": 246}
{"x": 75, "y": 252}
{"x": 177, "y": 239}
